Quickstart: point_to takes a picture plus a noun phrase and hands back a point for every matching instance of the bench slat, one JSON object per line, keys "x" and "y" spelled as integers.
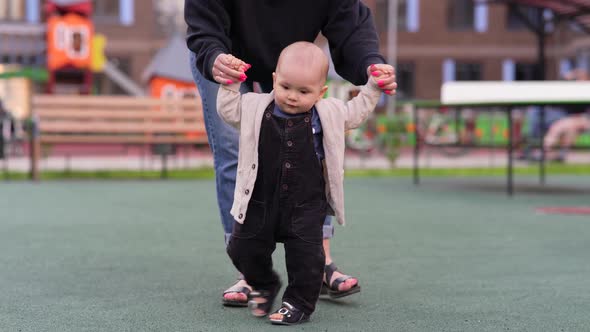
{"x": 136, "y": 139}
{"x": 118, "y": 128}
{"x": 114, "y": 120}
{"x": 103, "y": 101}
{"x": 45, "y": 114}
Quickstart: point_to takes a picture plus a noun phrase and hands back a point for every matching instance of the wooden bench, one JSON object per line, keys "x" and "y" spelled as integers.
{"x": 114, "y": 120}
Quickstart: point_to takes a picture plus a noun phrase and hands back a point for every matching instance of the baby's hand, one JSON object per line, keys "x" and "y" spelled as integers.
{"x": 227, "y": 69}
{"x": 384, "y": 76}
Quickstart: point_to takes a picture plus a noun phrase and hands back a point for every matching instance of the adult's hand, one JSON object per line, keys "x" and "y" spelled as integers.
{"x": 384, "y": 76}
{"x": 227, "y": 69}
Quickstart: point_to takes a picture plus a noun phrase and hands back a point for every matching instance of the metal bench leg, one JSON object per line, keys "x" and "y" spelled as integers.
{"x": 416, "y": 146}
{"x": 164, "y": 171}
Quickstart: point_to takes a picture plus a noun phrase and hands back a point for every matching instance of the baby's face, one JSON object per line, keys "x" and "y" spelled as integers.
{"x": 297, "y": 89}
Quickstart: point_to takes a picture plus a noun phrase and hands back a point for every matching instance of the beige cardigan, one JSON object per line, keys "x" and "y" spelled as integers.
{"x": 245, "y": 112}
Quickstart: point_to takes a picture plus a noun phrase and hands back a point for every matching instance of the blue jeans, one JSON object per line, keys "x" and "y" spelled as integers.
{"x": 552, "y": 114}
{"x": 223, "y": 140}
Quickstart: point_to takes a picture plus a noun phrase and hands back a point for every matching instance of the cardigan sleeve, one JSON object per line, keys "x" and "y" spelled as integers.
{"x": 357, "y": 109}
{"x": 229, "y": 106}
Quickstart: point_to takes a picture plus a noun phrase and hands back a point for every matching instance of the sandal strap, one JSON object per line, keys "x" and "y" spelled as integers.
{"x": 237, "y": 289}
{"x": 288, "y": 306}
{"x": 338, "y": 281}
{"x": 329, "y": 270}
{"x": 288, "y": 311}
{"x": 268, "y": 296}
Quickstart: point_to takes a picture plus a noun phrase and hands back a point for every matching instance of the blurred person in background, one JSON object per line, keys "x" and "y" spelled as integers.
{"x": 11, "y": 133}
{"x": 256, "y": 32}
{"x": 3, "y": 116}
{"x": 564, "y": 132}
{"x": 559, "y": 121}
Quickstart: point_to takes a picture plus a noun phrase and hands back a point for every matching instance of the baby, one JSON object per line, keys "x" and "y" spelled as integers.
{"x": 290, "y": 175}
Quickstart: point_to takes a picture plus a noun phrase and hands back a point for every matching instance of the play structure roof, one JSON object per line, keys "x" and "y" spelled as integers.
{"x": 573, "y": 10}
{"x": 171, "y": 62}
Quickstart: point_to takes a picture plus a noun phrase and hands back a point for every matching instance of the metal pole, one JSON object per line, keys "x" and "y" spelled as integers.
{"x": 543, "y": 155}
{"x": 510, "y": 170}
{"x": 392, "y": 47}
{"x": 416, "y": 163}
{"x": 541, "y": 45}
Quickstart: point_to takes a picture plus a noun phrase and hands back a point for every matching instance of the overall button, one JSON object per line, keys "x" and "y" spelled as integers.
{"x": 306, "y": 119}
{"x": 285, "y": 186}
{"x": 253, "y": 166}
{"x": 290, "y": 123}
{"x": 267, "y": 115}
{"x": 289, "y": 143}
{"x": 247, "y": 191}
{"x": 288, "y": 165}
{"x": 241, "y": 216}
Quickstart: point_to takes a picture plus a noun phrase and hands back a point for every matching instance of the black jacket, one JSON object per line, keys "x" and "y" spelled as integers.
{"x": 257, "y": 30}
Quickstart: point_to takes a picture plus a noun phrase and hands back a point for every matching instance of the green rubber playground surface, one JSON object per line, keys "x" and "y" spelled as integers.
{"x": 450, "y": 255}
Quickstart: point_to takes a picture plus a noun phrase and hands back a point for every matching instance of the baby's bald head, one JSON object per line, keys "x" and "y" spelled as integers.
{"x": 300, "y": 78}
{"x": 307, "y": 57}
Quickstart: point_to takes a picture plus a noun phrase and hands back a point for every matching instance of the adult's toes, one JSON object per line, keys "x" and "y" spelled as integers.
{"x": 235, "y": 296}
{"x": 348, "y": 284}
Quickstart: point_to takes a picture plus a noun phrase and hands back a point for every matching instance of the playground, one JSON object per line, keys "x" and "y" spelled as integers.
{"x": 449, "y": 255}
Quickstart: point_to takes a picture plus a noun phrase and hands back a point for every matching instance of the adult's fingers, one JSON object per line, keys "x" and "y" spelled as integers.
{"x": 379, "y": 69}
{"x": 387, "y": 83}
{"x": 229, "y": 68}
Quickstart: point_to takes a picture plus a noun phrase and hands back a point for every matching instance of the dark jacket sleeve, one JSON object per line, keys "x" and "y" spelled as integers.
{"x": 353, "y": 40}
{"x": 208, "y": 30}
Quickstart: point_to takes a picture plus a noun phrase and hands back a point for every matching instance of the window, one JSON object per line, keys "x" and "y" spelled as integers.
{"x": 404, "y": 72}
{"x": 461, "y": 14}
{"x": 566, "y": 65}
{"x": 525, "y": 72}
{"x": 516, "y": 22}
{"x": 465, "y": 71}
{"x": 12, "y": 10}
{"x": 402, "y": 15}
{"x": 381, "y": 15}
{"x": 575, "y": 27}
{"x": 106, "y": 10}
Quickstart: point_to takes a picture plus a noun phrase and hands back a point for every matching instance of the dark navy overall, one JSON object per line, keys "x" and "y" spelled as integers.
{"x": 288, "y": 205}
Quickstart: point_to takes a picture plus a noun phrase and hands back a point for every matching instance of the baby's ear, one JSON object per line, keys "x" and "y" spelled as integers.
{"x": 323, "y": 92}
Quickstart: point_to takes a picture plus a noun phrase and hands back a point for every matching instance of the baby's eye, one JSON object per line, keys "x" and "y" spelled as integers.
{"x": 284, "y": 87}
{"x": 304, "y": 92}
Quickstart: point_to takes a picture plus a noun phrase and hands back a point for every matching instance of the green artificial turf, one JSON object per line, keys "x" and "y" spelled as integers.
{"x": 449, "y": 255}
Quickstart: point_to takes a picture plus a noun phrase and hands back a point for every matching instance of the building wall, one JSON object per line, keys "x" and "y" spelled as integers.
{"x": 131, "y": 46}
{"x": 134, "y": 38}
{"x": 434, "y": 42}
